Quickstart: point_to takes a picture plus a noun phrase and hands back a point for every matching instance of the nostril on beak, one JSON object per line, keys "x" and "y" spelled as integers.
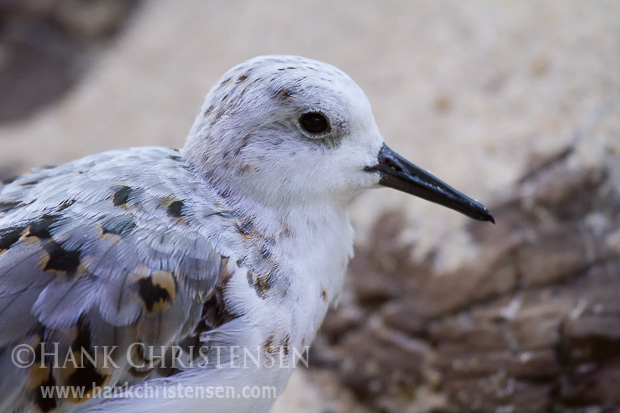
{"x": 393, "y": 165}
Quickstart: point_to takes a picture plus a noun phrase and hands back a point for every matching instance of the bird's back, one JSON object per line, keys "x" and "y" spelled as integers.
{"x": 110, "y": 250}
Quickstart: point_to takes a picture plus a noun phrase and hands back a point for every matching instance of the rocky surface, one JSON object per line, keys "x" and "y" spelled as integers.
{"x": 531, "y": 324}
{"x": 46, "y": 46}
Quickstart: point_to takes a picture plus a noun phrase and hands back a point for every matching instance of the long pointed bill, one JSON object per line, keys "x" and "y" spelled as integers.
{"x": 398, "y": 173}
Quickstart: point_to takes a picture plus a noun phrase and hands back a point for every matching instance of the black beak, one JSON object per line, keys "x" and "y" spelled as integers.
{"x": 398, "y": 173}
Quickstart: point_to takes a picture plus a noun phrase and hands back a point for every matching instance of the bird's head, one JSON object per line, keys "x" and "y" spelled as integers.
{"x": 288, "y": 130}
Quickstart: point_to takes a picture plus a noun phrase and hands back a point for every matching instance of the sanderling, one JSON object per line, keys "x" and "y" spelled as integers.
{"x": 237, "y": 242}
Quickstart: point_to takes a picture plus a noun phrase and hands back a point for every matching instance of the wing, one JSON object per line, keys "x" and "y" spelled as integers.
{"x": 96, "y": 257}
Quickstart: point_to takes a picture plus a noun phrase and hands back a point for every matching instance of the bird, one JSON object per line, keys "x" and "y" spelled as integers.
{"x": 239, "y": 239}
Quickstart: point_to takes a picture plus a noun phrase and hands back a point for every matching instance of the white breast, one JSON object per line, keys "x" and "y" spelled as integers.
{"x": 312, "y": 264}
{"x": 318, "y": 260}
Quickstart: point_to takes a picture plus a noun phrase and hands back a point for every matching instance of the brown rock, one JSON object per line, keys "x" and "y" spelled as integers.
{"x": 531, "y": 325}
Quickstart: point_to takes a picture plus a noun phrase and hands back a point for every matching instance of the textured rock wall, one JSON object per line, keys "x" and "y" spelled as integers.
{"x": 532, "y": 324}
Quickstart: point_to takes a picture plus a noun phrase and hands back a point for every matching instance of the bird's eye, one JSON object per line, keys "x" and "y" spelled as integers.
{"x": 314, "y": 123}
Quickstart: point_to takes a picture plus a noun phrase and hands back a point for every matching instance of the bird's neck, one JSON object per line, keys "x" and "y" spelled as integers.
{"x": 288, "y": 219}
{"x": 285, "y": 218}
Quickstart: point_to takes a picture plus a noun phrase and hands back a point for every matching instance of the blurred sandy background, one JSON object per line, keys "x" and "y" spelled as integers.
{"x": 469, "y": 90}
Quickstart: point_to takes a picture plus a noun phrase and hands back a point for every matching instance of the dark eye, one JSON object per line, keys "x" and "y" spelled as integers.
{"x": 314, "y": 122}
